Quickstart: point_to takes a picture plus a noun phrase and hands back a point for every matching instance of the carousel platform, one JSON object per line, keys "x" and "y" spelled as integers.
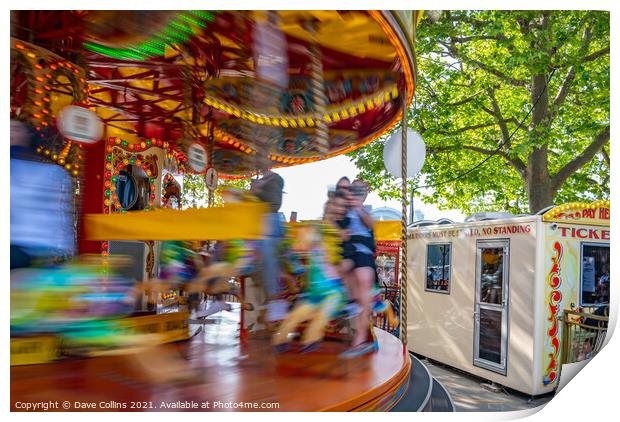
{"x": 226, "y": 374}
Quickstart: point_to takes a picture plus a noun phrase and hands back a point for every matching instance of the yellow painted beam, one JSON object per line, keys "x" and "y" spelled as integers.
{"x": 235, "y": 221}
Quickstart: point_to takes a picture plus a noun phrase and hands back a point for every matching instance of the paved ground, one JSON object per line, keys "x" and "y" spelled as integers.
{"x": 469, "y": 396}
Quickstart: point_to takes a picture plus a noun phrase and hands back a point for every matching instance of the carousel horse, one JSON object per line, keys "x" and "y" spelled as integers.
{"x": 171, "y": 193}
{"x": 87, "y": 305}
{"x": 324, "y": 295}
{"x": 182, "y": 268}
{"x": 80, "y": 302}
{"x": 236, "y": 258}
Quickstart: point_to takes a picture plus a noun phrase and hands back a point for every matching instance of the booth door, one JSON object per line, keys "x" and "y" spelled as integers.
{"x": 491, "y": 305}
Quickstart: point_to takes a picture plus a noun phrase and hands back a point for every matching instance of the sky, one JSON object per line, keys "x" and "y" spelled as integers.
{"x": 306, "y": 187}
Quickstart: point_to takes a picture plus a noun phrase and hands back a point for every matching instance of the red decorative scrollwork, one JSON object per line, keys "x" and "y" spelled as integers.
{"x": 554, "y": 280}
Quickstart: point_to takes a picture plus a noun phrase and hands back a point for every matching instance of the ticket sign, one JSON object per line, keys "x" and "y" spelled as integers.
{"x": 197, "y": 157}
{"x": 594, "y": 213}
{"x": 79, "y": 124}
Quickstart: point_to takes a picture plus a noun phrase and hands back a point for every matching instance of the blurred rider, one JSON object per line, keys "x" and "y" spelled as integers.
{"x": 41, "y": 204}
{"x": 269, "y": 189}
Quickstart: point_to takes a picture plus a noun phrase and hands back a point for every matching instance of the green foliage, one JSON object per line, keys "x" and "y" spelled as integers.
{"x": 480, "y": 73}
{"x": 196, "y": 194}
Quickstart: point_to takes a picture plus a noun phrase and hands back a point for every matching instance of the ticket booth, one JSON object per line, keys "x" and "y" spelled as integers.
{"x": 486, "y": 296}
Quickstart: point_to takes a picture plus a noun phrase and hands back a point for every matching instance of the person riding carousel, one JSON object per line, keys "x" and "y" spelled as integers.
{"x": 41, "y": 204}
{"x": 324, "y": 296}
{"x": 269, "y": 189}
{"x": 358, "y": 263}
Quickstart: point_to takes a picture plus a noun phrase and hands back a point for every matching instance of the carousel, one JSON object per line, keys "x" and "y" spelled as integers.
{"x": 224, "y": 94}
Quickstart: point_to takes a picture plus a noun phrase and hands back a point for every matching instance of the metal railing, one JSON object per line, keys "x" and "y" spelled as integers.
{"x": 583, "y": 335}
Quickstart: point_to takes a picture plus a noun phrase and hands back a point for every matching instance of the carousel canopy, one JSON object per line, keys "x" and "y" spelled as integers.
{"x": 255, "y": 88}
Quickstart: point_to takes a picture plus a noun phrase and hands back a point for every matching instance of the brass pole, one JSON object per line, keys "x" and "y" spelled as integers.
{"x": 317, "y": 88}
{"x": 403, "y": 247}
{"x": 211, "y": 148}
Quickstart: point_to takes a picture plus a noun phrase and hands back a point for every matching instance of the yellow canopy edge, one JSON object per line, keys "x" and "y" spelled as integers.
{"x": 234, "y": 221}
{"x": 595, "y": 213}
{"x": 388, "y": 230}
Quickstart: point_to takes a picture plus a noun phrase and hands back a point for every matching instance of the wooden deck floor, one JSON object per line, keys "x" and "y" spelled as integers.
{"x": 225, "y": 375}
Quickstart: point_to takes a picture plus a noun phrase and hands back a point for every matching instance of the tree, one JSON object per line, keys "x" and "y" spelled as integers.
{"x": 480, "y": 74}
{"x": 196, "y": 194}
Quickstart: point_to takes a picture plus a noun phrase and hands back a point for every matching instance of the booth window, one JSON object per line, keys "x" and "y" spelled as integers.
{"x": 594, "y": 286}
{"x": 438, "y": 257}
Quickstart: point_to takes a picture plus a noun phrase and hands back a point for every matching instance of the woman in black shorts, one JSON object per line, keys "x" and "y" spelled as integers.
{"x": 359, "y": 260}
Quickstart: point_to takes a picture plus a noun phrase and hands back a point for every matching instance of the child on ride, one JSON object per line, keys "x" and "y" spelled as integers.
{"x": 324, "y": 295}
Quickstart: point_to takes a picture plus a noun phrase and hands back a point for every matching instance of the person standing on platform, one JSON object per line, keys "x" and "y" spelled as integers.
{"x": 269, "y": 189}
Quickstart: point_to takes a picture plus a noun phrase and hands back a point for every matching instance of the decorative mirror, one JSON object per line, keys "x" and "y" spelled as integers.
{"x": 126, "y": 190}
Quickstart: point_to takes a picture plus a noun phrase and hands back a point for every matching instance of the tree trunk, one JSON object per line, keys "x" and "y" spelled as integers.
{"x": 540, "y": 195}
{"x": 538, "y": 182}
